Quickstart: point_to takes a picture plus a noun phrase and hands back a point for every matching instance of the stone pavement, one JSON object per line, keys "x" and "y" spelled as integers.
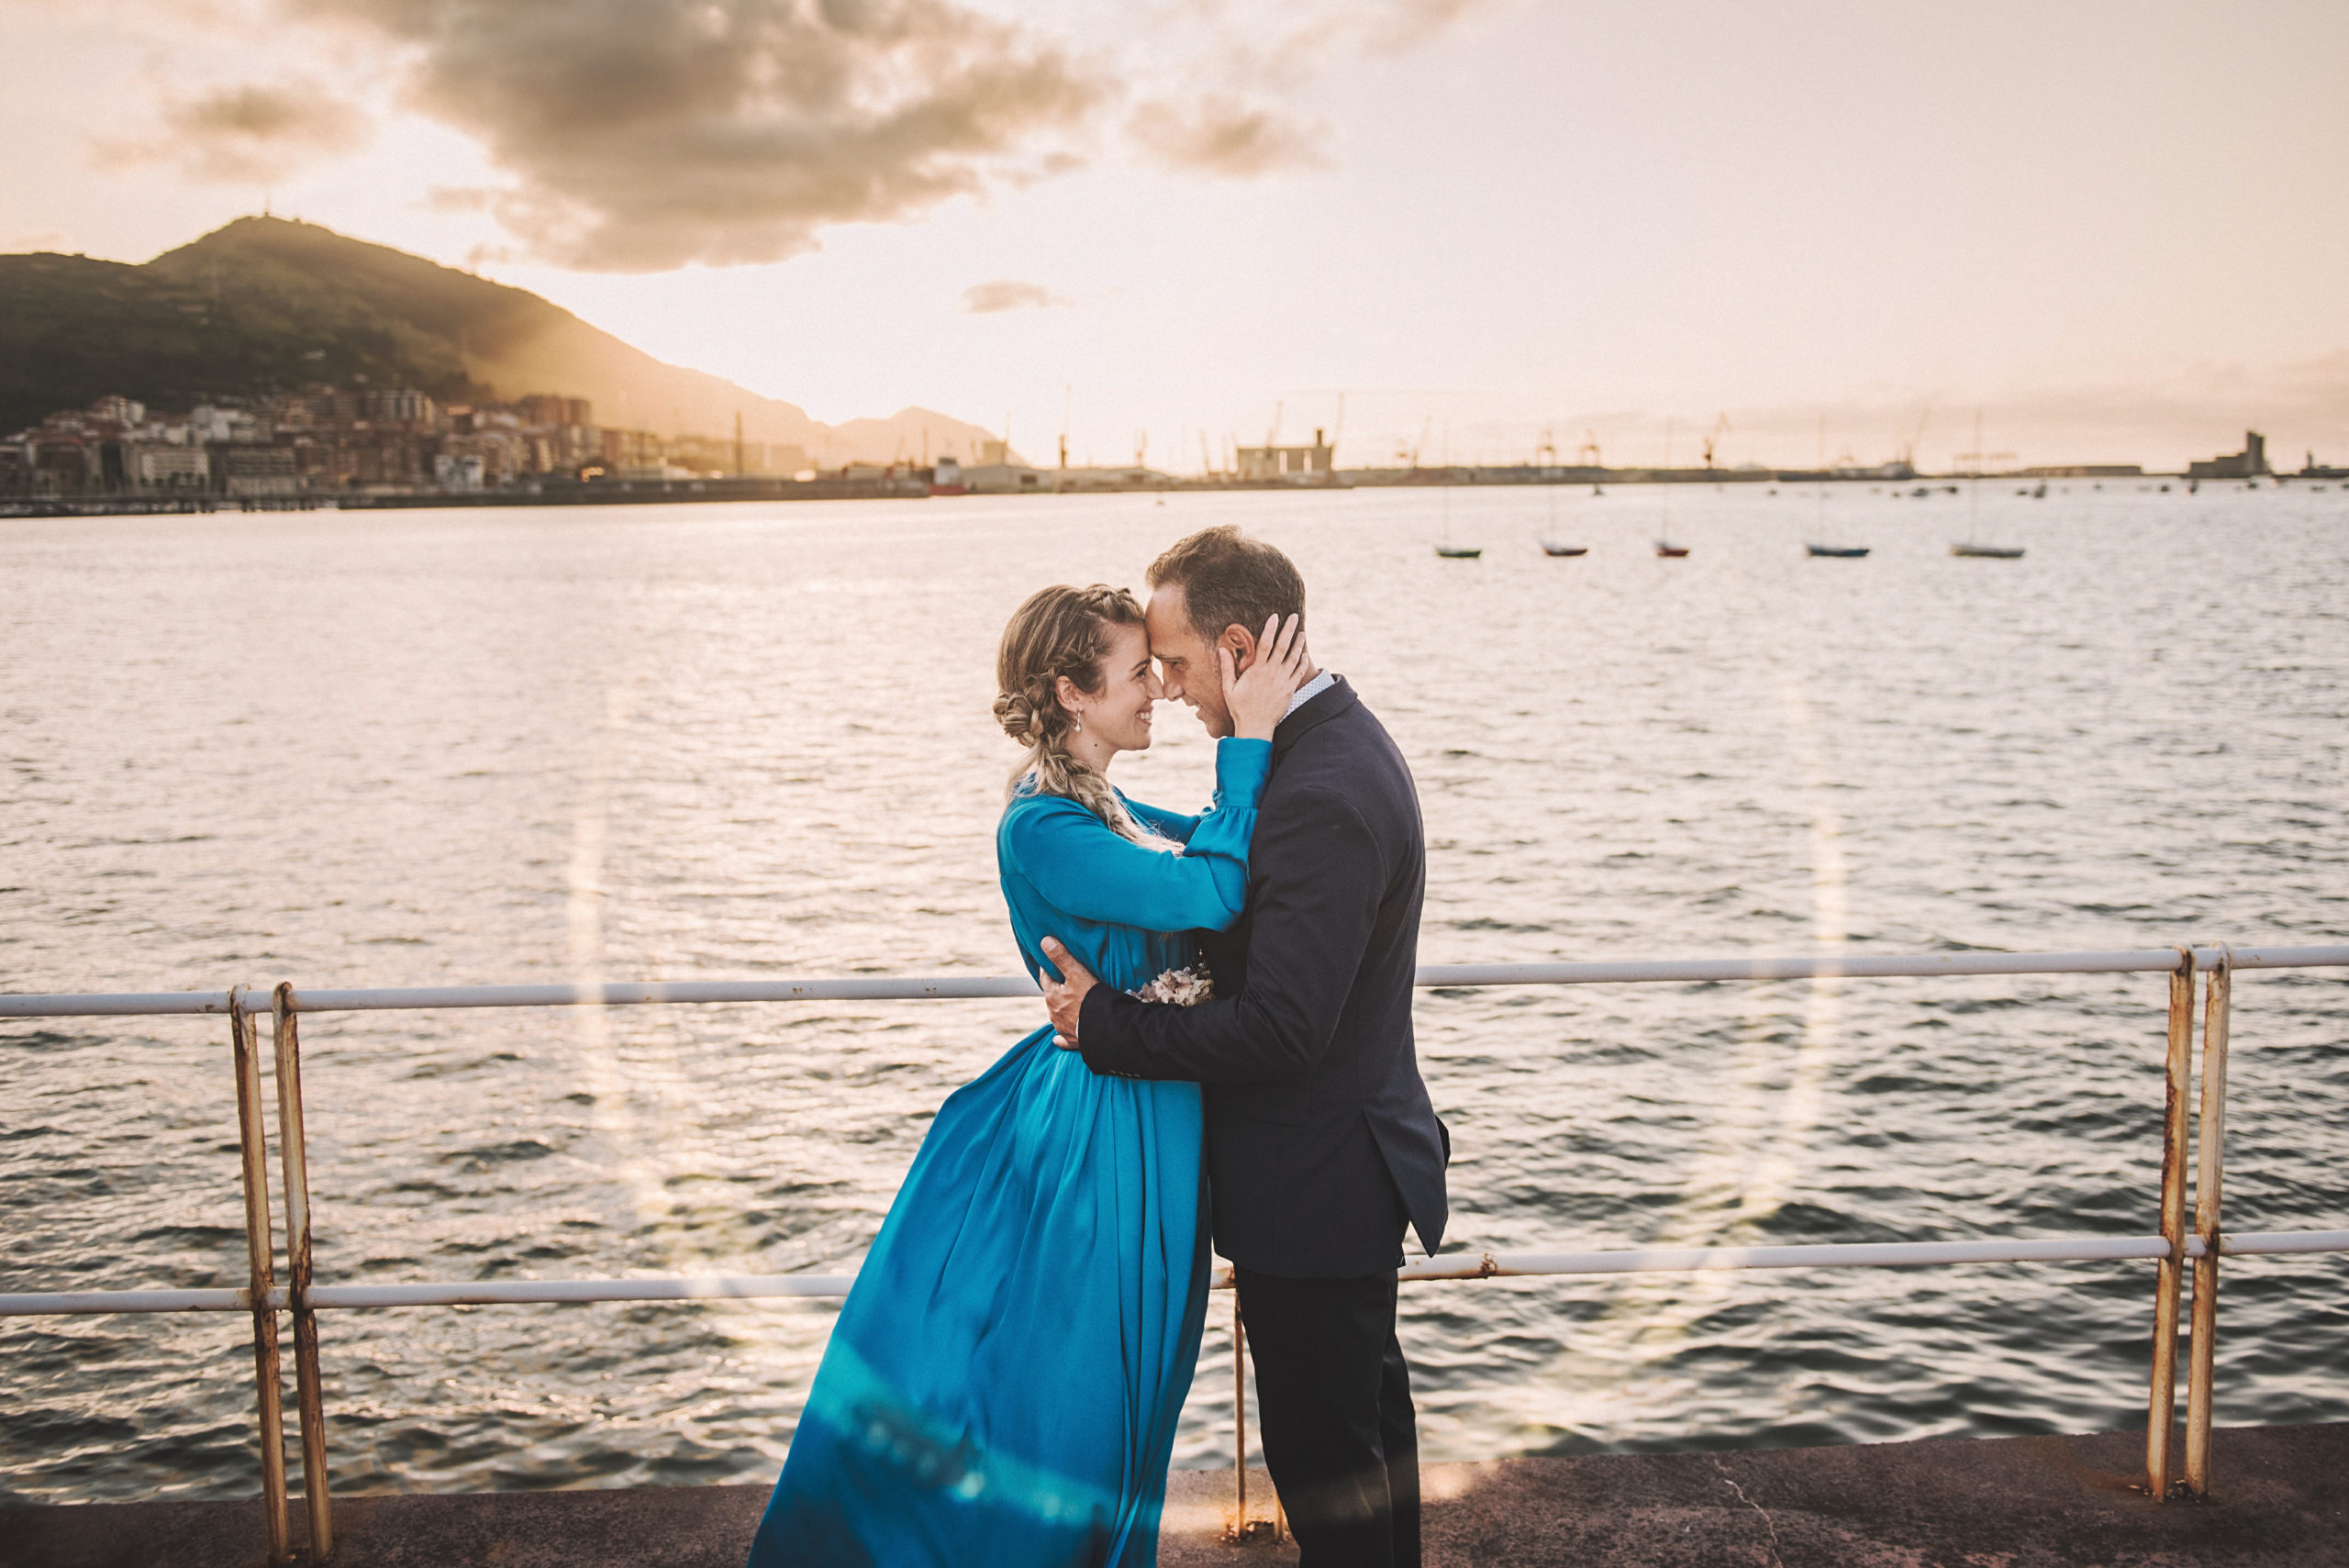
{"x": 2280, "y": 1496}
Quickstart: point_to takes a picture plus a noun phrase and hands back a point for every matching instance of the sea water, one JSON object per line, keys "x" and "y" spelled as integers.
{"x": 751, "y": 741}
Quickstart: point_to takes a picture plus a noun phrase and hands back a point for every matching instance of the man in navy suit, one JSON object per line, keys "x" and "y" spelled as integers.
{"x": 1321, "y": 1144}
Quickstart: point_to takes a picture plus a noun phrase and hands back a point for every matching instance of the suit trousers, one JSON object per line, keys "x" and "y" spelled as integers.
{"x": 1334, "y": 1401}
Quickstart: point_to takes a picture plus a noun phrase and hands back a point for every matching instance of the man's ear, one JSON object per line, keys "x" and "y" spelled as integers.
{"x": 1242, "y": 643}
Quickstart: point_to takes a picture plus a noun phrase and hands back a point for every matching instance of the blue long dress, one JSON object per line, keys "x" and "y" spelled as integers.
{"x": 1003, "y": 1385}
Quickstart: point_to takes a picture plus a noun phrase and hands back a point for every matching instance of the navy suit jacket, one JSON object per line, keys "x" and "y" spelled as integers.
{"x": 1321, "y": 1139}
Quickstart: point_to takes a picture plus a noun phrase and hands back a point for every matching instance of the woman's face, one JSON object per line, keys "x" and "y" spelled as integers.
{"x": 1118, "y": 714}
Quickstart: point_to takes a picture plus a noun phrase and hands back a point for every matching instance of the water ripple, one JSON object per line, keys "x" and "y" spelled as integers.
{"x": 751, "y": 740}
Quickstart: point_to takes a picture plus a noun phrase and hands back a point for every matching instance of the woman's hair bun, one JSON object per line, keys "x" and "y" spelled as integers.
{"x": 1018, "y": 715}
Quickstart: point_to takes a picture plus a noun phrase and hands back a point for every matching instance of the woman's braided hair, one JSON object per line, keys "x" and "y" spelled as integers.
{"x": 1060, "y": 631}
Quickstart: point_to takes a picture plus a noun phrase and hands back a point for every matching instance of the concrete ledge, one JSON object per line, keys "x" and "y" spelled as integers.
{"x": 2281, "y": 1499}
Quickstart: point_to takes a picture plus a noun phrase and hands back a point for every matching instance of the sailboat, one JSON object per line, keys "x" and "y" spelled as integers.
{"x": 1549, "y": 546}
{"x": 1973, "y": 506}
{"x": 1829, "y": 552}
{"x": 1665, "y": 549}
{"x": 1447, "y": 550}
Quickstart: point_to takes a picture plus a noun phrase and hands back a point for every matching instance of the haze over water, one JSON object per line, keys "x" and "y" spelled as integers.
{"x": 750, "y": 741}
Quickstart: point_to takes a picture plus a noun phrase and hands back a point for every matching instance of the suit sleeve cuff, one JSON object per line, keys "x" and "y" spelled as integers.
{"x": 1098, "y": 1031}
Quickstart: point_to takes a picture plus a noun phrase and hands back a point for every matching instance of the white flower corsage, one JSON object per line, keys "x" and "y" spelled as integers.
{"x": 1179, "y": 987}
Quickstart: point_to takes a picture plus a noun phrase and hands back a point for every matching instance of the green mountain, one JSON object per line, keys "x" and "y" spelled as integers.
{"x": 265, "y": 304}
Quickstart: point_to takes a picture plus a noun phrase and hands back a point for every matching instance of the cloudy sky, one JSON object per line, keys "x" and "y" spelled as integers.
{"x": 2116, "y": 229}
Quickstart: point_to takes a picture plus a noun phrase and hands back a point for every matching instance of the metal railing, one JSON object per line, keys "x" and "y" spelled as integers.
{"x": 301, "y": 1297}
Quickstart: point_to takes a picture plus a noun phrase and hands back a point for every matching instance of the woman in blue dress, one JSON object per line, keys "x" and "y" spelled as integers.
{"x": 1003, "y": 1385}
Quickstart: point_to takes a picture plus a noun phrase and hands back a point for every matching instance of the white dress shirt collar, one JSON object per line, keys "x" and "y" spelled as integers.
{"x": 1311, "y": 689}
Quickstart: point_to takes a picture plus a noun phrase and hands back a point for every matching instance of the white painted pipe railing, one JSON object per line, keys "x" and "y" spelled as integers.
{"x": 966, "y": 987}
{"x": 1449, "y": 1266}
{"x": 264, "y": 1299}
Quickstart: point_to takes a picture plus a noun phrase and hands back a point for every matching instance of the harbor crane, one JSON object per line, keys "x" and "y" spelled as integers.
{"x": 1721, "y": 429}
{"x": 1418, "y": 446}
{"x": 1587, "y": 455}
{"x": 1908, "y": 451}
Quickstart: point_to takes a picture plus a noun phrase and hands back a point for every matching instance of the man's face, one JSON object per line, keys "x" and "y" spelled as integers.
{"x": 1186, "y": 662}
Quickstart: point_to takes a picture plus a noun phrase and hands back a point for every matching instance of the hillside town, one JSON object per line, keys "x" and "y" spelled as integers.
{"x": 323, "y": 440}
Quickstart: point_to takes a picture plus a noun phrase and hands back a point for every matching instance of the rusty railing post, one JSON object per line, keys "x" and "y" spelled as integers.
{"x": 2161, "y": 1406}
{"x": 253, "y": 1138}
{"x": 2217, "y": 1009}
{"x": 1239, "y": 1418}
{"x": 294, "y": 1153}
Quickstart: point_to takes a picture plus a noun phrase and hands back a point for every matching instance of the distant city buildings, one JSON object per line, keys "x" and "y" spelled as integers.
{"x": 2080, "y": 470}
{"x": 2249, "y": 463}
{"x": 1900, "y": 470}
{"x": 1134, "y": 476}
{"x": 327, "y": 441}
{"x": 997, "y": 477}
{"x": 1288, "y": 465}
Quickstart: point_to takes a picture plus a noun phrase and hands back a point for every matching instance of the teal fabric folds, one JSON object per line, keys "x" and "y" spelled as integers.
{"x": 1004, "y": 1382}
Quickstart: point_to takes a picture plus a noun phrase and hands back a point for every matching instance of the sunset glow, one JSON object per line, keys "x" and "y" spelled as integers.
{"x": 2115, "y": 229}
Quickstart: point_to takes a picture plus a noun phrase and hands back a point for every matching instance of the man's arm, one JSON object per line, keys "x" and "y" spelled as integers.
{"x": 1321, "y": 878}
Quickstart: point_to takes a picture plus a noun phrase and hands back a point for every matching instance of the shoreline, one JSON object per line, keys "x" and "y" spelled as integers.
{"x": 647, "y": 492}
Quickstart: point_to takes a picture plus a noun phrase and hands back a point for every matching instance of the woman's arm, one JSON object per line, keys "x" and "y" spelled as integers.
{"x": 1179, "y": 828}
{"x": 1080, "y": 864}
{"x": 1158, "y": 819}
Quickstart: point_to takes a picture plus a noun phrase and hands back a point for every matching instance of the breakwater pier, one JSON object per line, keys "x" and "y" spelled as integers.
{"x": 2044, "y": 1502}
{"x": 2156, "y": 1494}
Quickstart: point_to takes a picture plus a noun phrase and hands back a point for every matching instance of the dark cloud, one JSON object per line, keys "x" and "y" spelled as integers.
{"x": 640, "y": 135}
{"x": 649, "y": 134}
{"x": 1007, "y": 294}
{"x": 1221, "y": 135}
{"x": 248, "y": 134}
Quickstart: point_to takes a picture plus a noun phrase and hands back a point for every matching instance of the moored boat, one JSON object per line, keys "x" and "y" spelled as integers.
{"x": 1549, "y": 549}
{"x": 1670, "y": 551}
{"x": 1989, "y": 552}
{"x": 1458, "y": 551}
{"x": 1839, "y": 552}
